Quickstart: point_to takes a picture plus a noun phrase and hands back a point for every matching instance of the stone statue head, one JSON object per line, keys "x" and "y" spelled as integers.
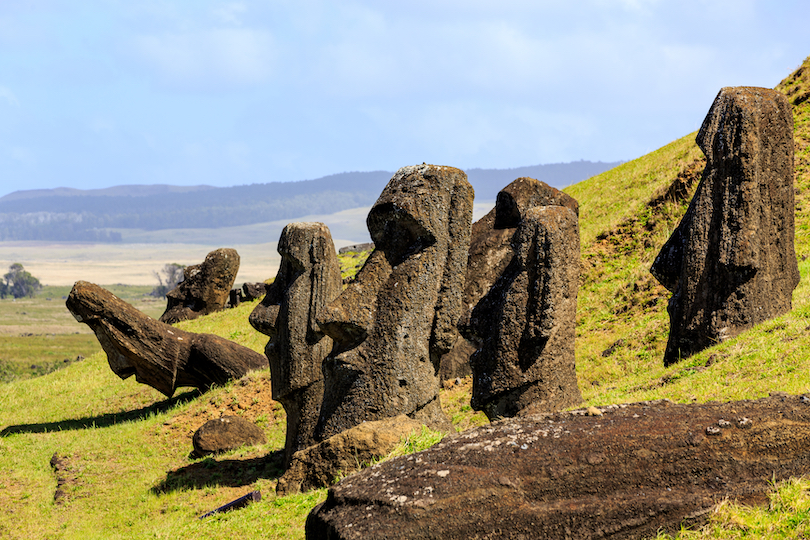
{"x": 394, "y": 321}
{"x": 308, "y": 279}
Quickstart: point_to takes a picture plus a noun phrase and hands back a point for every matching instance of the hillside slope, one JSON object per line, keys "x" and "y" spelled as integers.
{"x": 626, "y": 214}
{"x": 124, "y": 465}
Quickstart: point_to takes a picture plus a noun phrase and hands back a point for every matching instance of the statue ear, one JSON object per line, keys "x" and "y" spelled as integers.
{"x": 326, "y": 281}
{"x": 449, "y": 304}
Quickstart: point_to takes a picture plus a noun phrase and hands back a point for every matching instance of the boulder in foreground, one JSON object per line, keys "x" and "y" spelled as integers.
{"x": 623, "y": 474}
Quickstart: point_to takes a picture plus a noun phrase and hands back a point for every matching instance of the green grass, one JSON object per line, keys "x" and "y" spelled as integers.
{"x": 787, "y": 516}
{"x": 132, "y": 475}
{"x": 352, "y": 262}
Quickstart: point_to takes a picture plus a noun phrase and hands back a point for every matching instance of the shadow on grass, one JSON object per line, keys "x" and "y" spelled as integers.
{"x": 227, "y": 473}
{"x": 104, "y": 420}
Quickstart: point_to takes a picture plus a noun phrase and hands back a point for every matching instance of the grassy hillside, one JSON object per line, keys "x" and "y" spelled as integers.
{"x": 124, "y": 451}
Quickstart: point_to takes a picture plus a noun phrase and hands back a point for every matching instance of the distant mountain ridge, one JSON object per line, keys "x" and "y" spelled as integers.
{"x": 99, "y": 215}
{"x": 134, "y": 190}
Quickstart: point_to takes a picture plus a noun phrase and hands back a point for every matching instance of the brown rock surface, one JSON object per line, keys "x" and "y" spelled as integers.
{"x": 226, "y": 433}
{"x": 525, "y": 325}
{"x": 394, "y": 321}
{"x": 253, "y": 291}
{"x": 206, "y": 287}
{"x": 308, "y": 279}
{"x": 730, "y": 263}
{"x": 158, "y": 354}
{"x": 490, "y": 253}
{"x": 318, "y": 466}
{"x": 623, "y": 474}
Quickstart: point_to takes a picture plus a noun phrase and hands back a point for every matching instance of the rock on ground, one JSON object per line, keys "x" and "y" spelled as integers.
{"x": 623, "y": 474}
{"x": 342, "y": 454}
{"x": 226, "y": 433}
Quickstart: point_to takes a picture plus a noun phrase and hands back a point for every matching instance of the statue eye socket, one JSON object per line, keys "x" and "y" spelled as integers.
{"x": 397, "y": 233}
{"x": 507, "y": 213}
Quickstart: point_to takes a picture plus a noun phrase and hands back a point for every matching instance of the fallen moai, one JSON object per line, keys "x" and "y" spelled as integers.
{"x": 490, "y": 253}
{"x": 626, "y": 472}
{"x": 205, "y": 288}
{"x": 308, "y": 279}
{"x": 731, "y": 263}
{"x": 524, "y": 326}
{"x": 158, "y": 354}
{"x": 394, "y": 321}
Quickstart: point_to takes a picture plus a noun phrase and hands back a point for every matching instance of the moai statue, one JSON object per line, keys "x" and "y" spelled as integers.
{"x": 394, "y": 321}
{"x": 491, "y": 252}
{"x": 158, "y": 354}
{"x": 307, "y": 280}
{"x": 205, "y": 288}
{"x": 730, "y": 263}
{"x": 525, "y": 325}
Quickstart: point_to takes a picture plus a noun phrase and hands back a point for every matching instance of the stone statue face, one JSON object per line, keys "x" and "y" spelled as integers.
{"x": 308, "y": 278}
{"x": 157, "y": 354}
{"x": 394, "y": 320}
{"x": 731, "y": 262}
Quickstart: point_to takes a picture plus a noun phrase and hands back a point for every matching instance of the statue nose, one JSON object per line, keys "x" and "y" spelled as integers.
{"x": 263, "y": 318}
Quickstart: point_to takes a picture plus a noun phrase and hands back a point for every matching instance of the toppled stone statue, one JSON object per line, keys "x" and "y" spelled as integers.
{"x": 525, "y": 325}
{"x": 394, "y": 321}
{"x": 308, "y": 279}
{"x": 626, "y": 472}
{"x": 158, "y": 354}
{"x": 205, "y": 288}
{"x": 731, "y": 263}
{"x": 490, "y": 253}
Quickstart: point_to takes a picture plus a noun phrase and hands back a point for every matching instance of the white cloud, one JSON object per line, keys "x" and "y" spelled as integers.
{"x": 9, "y": 96}
{"x": 22, "y": 154}
{"x": 225, "y": 57}
{"x": 230, "y": 13}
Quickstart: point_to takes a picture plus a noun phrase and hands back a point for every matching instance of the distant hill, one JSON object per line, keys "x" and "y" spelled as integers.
{"x": 66, "y": 214}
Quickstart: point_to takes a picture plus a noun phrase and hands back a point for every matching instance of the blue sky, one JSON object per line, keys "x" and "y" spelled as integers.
{"x": 107, "y": 92}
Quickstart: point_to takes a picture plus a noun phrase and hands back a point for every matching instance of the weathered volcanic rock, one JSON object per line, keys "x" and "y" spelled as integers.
{"x": 205, "y": 288}
{"x": 226, "y": 433}
{"x": 490, "y": 253}
{"x": 253, "y": 291}
{"x": 307, "y": 280}
{"x": 525, "y": 325}
{"x": 623, "y": 474}
{"x": 394, "y": 321}
{"x": 318, "y": 466}
{"x": 730, "y": 263}
{"x": 158, "y": 354}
